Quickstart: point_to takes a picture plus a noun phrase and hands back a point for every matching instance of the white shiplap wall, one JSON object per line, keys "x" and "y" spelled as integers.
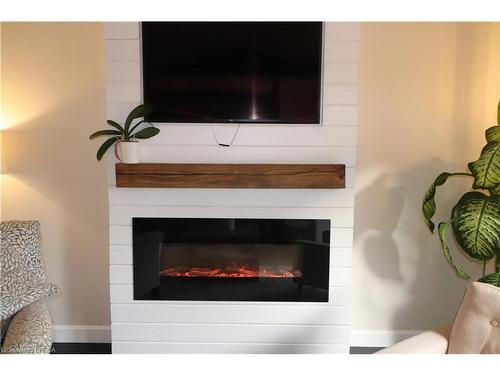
{"x": 236, "y": 327}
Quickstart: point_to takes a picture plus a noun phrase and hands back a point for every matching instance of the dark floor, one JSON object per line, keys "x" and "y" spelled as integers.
{"x": 363, "y": 350}
{"x": 80, "y": 348}
{"x": 103, "y": 348}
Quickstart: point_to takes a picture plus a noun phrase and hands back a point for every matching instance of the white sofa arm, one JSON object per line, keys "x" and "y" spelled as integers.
{"x": 435, "y": 341}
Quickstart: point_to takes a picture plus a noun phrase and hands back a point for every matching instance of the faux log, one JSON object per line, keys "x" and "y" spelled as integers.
{"x": 286, "y": 176}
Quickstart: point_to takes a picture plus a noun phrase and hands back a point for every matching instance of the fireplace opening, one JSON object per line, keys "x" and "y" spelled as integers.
{"x": 231, "y": 259}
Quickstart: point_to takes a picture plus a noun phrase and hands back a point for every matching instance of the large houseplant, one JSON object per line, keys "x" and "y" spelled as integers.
{"x": 126, "y": 134}
{"x": 475, "y": 219}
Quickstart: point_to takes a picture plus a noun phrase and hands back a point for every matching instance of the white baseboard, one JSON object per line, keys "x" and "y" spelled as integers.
{"x": 82, "y": 334}
{"x": 379, "y": 338}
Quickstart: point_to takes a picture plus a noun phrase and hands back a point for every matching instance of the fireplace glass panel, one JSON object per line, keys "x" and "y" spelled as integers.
{"x": 231, "y": 259}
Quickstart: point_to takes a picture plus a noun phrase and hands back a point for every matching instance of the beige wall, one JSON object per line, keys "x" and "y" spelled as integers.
{"x": 427, "y": 92}
{"x": 53, "y": 98}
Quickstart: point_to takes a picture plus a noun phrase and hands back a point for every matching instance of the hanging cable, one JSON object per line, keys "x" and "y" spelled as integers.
{"x": 225, "y": 144}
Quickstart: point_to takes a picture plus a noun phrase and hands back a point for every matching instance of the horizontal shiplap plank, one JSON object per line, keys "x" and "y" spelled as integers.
{"x": 123, "y": 71}
{"x": 121, "y": 30}
{"x": 341, "y": 257}
{"x": 249, "y": 135}
{"x": 273, "y": 198}
{"x": 120, "y": 235}
{"x": 230, "y": 333}
{"x": 121, "y": 274}
{"x": 341, "y": 52}
{"x": 121, "y": 347}
{"x": 202, "y": 135}
{"x": 342, "y": 31}
{"x": 122, "y": 215}
{"x": 123, "y": 294}
{"x": 123, "y": 92}
{"x": 340, "y": 94}
{"x": 341, "y": 237}
{"x": 341, "y": 276}
{"x": 340, "y": 295}
{"x": 120, "y": 254}
{"x": 122, "y": 50}
{"x": 231, "y": 314}
{"x": 151, "y": 153}
{"x": 341, "y": 73}
{"x": 119, "y": 111}
{"x": 346, "y": 115}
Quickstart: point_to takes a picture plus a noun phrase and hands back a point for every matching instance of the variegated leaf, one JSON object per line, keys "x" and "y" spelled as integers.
{"x": 486, "y": 170}
{"x": 429, "y": 203}
{"x": 493, "y": 134}
{"x": 492, "y": 278}
{"x": 446, "y": 250}
{"x": 495, "y": 191}
{"x": 476, "y": 224}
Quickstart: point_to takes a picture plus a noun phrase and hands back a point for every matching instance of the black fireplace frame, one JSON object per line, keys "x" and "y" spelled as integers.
{"x": 150, "y": 235}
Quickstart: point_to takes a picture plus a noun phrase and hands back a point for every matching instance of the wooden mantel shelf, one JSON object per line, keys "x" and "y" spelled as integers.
{"x": 286, "y": 176}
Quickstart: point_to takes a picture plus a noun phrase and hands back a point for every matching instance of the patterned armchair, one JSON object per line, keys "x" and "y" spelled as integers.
{"x": 25, "y": 324}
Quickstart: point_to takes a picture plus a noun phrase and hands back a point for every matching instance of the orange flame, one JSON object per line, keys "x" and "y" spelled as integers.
{"x": 235, "y": 271}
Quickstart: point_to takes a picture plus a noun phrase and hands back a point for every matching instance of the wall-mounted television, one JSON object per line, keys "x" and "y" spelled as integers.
{"x": 233, "y": 72}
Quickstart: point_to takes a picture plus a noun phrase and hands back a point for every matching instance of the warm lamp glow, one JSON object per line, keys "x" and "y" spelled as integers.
{"x": 3, "y": 122}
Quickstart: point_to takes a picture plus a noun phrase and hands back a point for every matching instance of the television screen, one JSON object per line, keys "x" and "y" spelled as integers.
{"x": 241, "y": 72}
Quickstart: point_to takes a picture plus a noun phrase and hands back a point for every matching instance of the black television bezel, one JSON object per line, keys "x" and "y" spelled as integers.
{"x": 151, "y": 118}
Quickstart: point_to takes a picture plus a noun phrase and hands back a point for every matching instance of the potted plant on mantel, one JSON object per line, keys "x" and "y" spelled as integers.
{"x": 475, "y": 219}
{"x": 125, "y": 137}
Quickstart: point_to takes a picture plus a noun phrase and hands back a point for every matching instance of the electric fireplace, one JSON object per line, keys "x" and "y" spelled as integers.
{"x": 231, "y": 259}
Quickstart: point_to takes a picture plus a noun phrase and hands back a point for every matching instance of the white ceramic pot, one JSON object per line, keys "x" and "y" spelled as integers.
{"x": 127, "y": 152}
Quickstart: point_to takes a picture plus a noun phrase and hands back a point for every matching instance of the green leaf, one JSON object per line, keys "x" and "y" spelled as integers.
{"x": 139, "y": 111}
{"x": 495, "y": 191}
{"x": 116, "y": 125}
{"x": 139, "y": 123}
{"x": 429, "y": 203}
{"x": 146, "y": 133}
{"x": 476, "y": 224}
{"x": 493, "y": 134}
{"x": 498, "y": 113}
{"x": 104, "y": 132}
{"x": 486, "y": 170}
{"x": 442, "y": 236}
{"x": 492, "y": 278}
{"x": 104, "y": 147}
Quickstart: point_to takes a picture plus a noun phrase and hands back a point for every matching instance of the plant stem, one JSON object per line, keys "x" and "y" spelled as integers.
{"x": 484, "y": 268}
{"x": 497, "y": 266}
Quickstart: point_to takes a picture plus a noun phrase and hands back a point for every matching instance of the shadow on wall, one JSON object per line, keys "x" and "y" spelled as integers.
{"x": 427, "y": 91}
{"x": 401, "y": 252}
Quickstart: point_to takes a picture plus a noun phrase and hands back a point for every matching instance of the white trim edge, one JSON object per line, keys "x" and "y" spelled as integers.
{"x": 97, "y": 334}
{"x": 379, "y": 338}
